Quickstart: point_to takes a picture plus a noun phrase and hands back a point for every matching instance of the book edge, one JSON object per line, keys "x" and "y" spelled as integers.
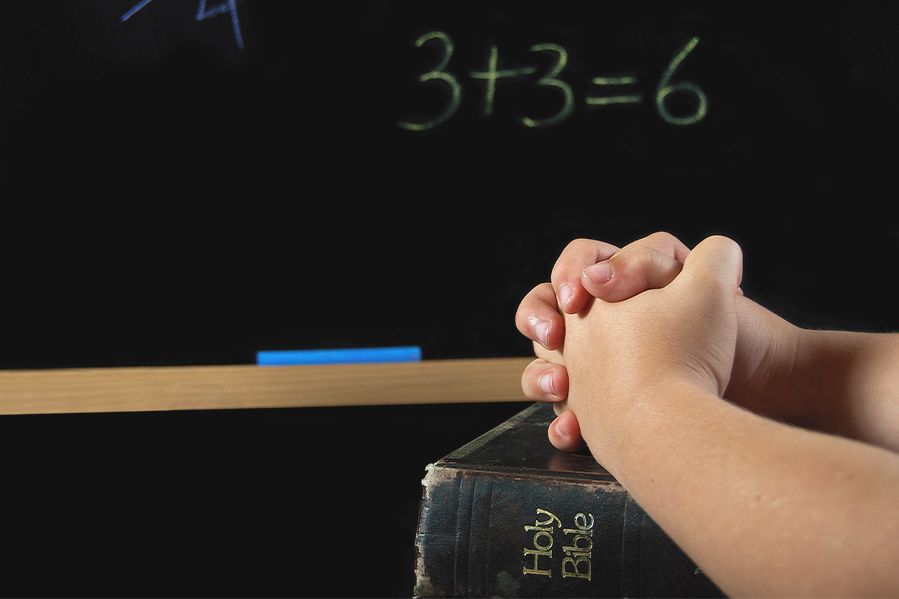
{"x": 488, "y": 436}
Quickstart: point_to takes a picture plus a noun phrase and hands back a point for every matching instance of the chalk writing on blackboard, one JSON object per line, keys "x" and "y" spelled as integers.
{"x": 439, "y": 75}
{"x": 551, "y": 79}
{"x": 619, "y": 81}
{"x": 611, "y": 90}
{"x": 491, "y": 75}
{"x": 665, "y": 88}
{"x": 203, "y": 12}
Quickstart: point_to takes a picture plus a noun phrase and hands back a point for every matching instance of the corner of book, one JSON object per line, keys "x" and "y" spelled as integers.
{"x": 434, "y": 543}
{"x": 507, "y": 515}
{"x": 435, "y": 474}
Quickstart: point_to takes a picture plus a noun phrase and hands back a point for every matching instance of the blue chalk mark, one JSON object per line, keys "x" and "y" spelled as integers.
{"x": 230, "y": 6}
{"x": 207, "y": 13}
{"x": 134, "y": 10}
{"x": 338, "y": 356}
{"x": 203, "y": 13}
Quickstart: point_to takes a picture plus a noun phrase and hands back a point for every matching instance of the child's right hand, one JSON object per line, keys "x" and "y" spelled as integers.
{"x": 766, "y": 344}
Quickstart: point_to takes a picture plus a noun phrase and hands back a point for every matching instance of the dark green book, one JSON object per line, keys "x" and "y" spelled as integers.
{"x": 508, "y": 515}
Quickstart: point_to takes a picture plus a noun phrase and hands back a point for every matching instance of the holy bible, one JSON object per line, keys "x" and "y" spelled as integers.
{"x": 508, "y": 515}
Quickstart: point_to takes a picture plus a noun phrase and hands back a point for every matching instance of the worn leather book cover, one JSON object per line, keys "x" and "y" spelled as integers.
{"x": 508, "y": 515}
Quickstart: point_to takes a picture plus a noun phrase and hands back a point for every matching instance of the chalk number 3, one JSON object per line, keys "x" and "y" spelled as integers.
{"x": 549, "y": 80}
{"x": 437, "y": 74}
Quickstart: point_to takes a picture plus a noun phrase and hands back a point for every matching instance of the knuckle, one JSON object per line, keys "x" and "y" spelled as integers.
{"x": 528, "y": 378}
{"x": 575, "y": 243}
{"x": 664, "y": 237}
{"x": 556, "y": 272}
{"x": 563, "y": 264}
{"x": 724, "y": 243}
{"x": 530, "y": 297}
{"x": 667, "y": 243}
{"x": 632, "y": 261}
{"x": 521, "y": 321}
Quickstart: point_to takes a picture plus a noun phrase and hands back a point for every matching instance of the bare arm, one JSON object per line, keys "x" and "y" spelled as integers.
{"x": 762, "y": 507}
{"x": 849, "y": 383}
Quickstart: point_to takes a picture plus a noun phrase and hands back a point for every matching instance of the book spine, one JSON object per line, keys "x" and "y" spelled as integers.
{"x": 490, "y": 534}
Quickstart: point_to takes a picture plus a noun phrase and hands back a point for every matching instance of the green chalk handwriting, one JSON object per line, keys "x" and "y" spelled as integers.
{"x": 618, "y": 81}
{"x": 623, "y": 92}
{"x": 491, "y": 75}
{"x": 688, "y": 87}
{"x": 550, "y": 80}
{"x": 438, "y": 74}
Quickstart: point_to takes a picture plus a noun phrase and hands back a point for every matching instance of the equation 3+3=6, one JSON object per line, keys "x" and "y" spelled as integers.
{"x": 607, "y": 90}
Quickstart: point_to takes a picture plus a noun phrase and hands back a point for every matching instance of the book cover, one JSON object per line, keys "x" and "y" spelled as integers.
{"x": 508, "y": 515}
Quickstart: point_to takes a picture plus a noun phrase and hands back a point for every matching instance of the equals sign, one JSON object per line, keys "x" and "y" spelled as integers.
{"x": 621, "y": 81}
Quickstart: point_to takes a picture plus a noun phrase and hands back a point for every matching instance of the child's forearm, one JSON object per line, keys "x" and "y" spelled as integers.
{"x": 849, "y": 383}
{"x": 752, "y": 501}
{"x": 831, "y": 381}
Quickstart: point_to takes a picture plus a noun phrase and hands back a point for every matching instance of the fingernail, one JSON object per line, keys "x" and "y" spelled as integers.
{"x": 546, "y": 384}
{"x": 565, "y": 293}
{"x": 599, "y": 273}
{"x": 559, "y": 428}
{"x": 541, "y": 329}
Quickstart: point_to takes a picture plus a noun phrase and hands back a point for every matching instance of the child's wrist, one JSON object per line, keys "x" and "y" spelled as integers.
{"x": 631, "y": 425}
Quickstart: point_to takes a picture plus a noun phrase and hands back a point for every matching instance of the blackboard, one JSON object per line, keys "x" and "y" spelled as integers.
{"x": 188, "y": 182}
{"x": 182, "y": 190}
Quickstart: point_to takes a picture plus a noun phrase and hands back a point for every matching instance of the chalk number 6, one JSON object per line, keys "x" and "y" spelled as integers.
{"x": 666, "y": 88}
{"x": 439, "y": 75}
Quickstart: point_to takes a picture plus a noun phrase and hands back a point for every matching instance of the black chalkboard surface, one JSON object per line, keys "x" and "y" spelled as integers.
{"x": 190, "y": 181}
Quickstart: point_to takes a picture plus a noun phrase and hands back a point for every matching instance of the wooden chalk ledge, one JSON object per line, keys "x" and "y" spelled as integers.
{"x": 251, "y": 386}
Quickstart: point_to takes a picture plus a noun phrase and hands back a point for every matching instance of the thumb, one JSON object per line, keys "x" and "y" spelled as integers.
{"x": 648, "y": 263}
{"x": 717, "y": 261}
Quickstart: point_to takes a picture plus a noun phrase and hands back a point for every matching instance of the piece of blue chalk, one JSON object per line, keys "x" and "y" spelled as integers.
{"x": 338, "y": 356}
